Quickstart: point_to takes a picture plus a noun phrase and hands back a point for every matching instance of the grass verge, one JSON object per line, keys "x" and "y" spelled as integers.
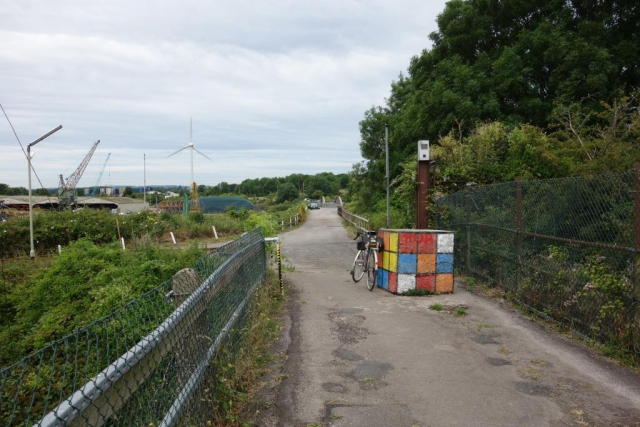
{"x": 246, "y": 357}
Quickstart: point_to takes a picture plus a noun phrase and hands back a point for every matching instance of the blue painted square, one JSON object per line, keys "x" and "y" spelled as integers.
{"x": 385, "y": 280}
{"x": 444, "y": 263}
{"x": 380, "y": 278}
{"x": 407, "y": 263}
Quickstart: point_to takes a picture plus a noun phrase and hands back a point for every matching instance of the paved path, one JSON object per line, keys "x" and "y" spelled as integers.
{"x": 360, "y": 358}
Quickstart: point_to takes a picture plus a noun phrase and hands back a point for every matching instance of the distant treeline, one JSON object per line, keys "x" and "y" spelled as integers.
{"x": 287, "y": 188}
{"x": 538, "y": 89}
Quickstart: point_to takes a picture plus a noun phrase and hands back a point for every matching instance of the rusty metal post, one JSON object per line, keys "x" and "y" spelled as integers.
{"x": 635, "y": 279}
{"x": 422, "y": 195}
{"x": 468, "y": 260}
{"x": 636, "y": 204}
{"x": 518, "y": 228}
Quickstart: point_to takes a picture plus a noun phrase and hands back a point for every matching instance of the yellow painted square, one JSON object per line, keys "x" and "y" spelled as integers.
{"x": 393, "y": 242}
{"x": 385, "y": 260}
{"x": 393, "y": 261}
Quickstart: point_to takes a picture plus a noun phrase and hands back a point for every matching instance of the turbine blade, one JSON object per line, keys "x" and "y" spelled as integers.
{"x": 191, "y": 131}
{"x": 202, "y": 154}
{"x": 183, "y": 148}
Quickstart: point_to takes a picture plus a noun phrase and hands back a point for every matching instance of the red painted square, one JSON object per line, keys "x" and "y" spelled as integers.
{"x": 426, "y": 282}
{"x": 427, "y": 243}
{"x": 407, "y": 243}
{"x": 393, "y": 282}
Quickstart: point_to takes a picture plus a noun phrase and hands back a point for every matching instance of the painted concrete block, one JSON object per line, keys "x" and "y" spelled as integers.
{"x": 444, "y": 283}
{"x": 426, "y": 263}
{"x": 385, "y": 241}
{"x": 392, "y": 282}
{"x": 426, "y": 282}
{"x": 385, "y": 280}
{"x": 427, "y": 243}
{"x": 444, "y": 263}
{"x": 393, "y": 262}
{"x": 445, "y": 243}
{"x": 407, "y": 263}
{"x": 380, "y": 259}
{"x": 385, "y": 260}
{"x": 406, "y": 282}
{"x": 380, "y": 278}
{"x": 393, "y": 242}
{"x": 408, "y": 243}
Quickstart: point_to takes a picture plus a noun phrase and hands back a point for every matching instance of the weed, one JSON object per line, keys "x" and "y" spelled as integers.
{"x": 368, "y": 379}
{"x": 461, "y": 312}
{"x": 436, "y": 307}
{"x": 335, "y": 416}
{"x": 530, "y": 373}
{"x": 484, "y": 326}
{"x": 504, "y": 350}
{"x": 539, "y": 362}
{"x": 417, "y": 293}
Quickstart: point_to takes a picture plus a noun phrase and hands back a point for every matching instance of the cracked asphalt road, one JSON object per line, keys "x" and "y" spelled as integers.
{"x": 360, "y": 358}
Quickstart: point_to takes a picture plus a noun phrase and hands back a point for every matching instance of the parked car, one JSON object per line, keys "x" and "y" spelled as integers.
{"x": 314, "y": 206}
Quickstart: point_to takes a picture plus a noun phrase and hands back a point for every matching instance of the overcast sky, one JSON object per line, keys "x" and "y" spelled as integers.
{"x": 274, "y": 87}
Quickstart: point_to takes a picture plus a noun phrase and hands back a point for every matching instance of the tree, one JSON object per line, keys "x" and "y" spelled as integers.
{"x": 128, "y": 191}
{"x": 288, "y": 192}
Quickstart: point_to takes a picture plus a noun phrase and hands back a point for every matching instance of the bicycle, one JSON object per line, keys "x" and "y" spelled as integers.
{"x": 366, "y": 260}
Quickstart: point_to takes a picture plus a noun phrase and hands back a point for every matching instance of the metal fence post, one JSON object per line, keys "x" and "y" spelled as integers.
{"x": 518, "y": 228}
{"x": 468, "y": 245}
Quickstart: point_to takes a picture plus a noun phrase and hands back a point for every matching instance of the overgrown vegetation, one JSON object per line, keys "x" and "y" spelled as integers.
{"x": 98, "y": 226}
{"x": 84, "y": 283}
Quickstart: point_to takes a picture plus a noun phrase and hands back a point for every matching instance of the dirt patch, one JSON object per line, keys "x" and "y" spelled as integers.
{"x": 485, "y": 338}
{"x": 346, "y": 354}
{"x": 371, "y": 369}
{"x": 334, "y": 387}
{"x": 496, "y": 361}
{"x": 347, "y": 329}
{"x": 533, "y": 389}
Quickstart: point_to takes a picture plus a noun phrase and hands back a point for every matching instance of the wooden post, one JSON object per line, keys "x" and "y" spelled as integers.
{"x": 422, "y": 195}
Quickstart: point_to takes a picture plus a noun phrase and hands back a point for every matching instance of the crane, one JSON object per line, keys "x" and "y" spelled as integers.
{"x": 67, "y": 195}
{"x": 104, "y": 165}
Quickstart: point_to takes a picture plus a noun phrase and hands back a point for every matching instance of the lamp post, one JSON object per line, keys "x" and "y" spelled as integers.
{"x": 386, "y": 151}
{"x": 32, "y": 253}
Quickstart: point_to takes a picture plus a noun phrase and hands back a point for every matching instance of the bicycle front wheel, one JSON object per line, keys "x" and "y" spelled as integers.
{"x": 357, "y": 271}
{"x": 372, "y": 271}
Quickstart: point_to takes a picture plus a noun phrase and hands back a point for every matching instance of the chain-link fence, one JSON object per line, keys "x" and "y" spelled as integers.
{"x": 147, "y": 363}
{"x": 567, "y": 248}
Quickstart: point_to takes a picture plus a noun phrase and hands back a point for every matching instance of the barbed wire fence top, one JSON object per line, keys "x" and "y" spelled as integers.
{"x": 145, "y": 363}
{"x": 567, "y": 248}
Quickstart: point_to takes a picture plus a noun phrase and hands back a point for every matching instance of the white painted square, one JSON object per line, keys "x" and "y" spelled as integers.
{"x": 406, "y": 282}
{"x": 445, "y": 243}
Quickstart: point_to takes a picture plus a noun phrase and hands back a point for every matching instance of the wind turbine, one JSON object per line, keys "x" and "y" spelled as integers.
{"x": 195, "y": 206}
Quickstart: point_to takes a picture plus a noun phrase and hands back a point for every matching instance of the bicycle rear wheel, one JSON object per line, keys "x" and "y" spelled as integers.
{"x": 372, "y": 272}
{"x": 357, "y": 271}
